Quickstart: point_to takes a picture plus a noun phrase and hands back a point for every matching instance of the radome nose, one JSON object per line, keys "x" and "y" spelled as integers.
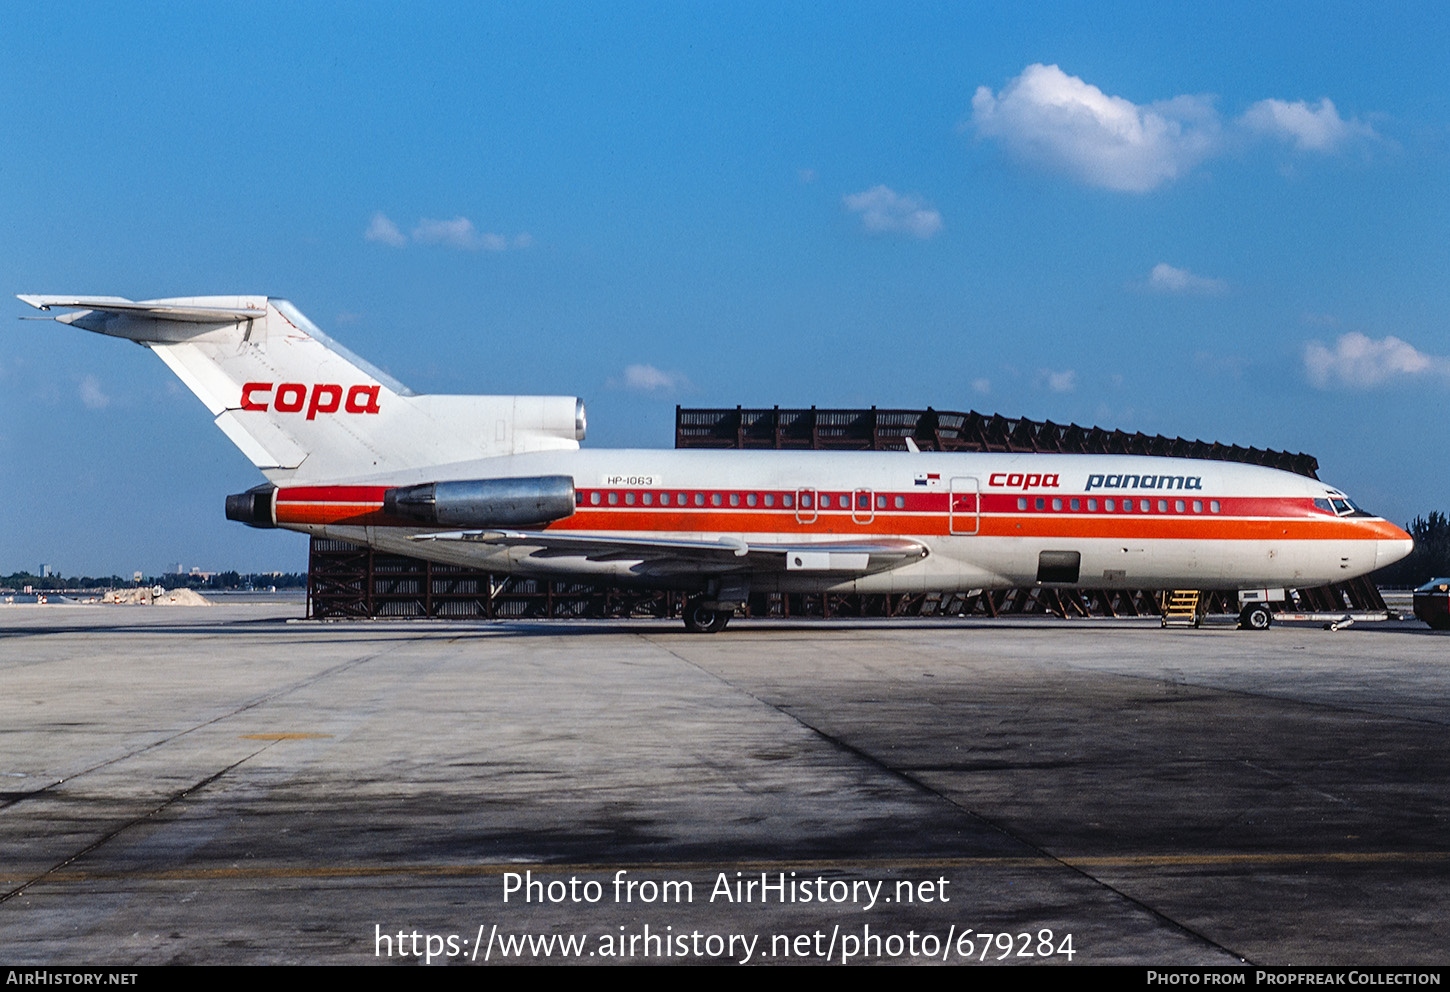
{"x": 1389, "y": 552}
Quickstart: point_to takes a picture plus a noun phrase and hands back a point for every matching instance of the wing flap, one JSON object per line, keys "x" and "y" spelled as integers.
{"x": 726, "y": 553}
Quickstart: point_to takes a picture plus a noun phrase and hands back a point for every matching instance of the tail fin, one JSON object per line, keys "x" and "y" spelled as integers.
{"x": 305, "y": 409}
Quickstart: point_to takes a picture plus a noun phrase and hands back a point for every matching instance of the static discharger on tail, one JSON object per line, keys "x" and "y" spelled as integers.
{"x": 500, "y": 483}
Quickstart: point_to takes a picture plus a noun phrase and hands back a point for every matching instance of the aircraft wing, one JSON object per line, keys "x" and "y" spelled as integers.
{"x": 727, "y": 554}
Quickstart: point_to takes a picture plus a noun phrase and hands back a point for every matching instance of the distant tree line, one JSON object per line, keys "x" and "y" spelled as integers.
{"x": 1429, "y": 560}
{"x": 221, "y": 580}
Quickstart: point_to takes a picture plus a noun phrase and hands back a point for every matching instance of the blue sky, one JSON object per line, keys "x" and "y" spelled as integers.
{"x": 1219, "y": 221}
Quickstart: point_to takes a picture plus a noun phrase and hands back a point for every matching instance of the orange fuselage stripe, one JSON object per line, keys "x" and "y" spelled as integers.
{"x": 925, "y": 514}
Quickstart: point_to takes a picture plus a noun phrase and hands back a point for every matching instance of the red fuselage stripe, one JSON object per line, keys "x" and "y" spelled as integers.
{"x": 1170, "y": 515}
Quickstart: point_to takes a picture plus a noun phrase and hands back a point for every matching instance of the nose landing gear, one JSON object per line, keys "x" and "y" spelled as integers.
{"x": 1256, "y": 616}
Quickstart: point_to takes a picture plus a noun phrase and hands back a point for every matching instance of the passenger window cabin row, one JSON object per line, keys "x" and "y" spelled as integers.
{"x": 863, "y": 501}
{"x": 1112, "y": 505}
{"x": 787, "y": 501}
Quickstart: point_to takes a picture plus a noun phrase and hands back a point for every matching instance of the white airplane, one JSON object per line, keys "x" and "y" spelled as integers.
{"x": 499, "y": 483}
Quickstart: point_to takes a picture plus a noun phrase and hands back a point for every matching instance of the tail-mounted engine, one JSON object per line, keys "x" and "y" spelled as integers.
{"x": 468, "y": 504}
{"x": 256, "y": 507}
{"x": 484, "y": 502}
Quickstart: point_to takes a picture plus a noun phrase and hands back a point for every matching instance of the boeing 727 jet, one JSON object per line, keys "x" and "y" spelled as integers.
{"x": 500, "y": 483}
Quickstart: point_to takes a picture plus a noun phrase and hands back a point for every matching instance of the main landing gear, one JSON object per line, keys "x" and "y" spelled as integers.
{"x": 1255, "y": 617}
{"x": 701, "y": 619}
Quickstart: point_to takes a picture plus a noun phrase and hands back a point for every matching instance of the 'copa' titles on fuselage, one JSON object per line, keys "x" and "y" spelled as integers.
{"x": 1024, "y": 480}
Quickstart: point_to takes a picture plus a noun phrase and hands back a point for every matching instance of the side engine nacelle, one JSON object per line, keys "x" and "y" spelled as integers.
{"x": 467, "y": 503}
{"x": 484, "y": 502}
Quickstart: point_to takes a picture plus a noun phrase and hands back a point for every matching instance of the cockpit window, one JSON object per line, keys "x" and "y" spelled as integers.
{"x": 1340, "y": 506}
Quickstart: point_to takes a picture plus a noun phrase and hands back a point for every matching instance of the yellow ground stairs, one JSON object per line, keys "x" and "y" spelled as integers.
{"x": 1180, "y": 608}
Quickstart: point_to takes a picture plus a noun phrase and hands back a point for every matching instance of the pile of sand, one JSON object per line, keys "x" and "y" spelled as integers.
{"x": 157, "y": 597}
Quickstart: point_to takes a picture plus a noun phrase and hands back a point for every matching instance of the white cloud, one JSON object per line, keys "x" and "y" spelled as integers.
{"x": 885, "y": 211}
{"x": 456, "y": 233}
{"x": 1166, "y": 279}
{"x": 384, "y": 231}
{"x": 648, "y": 379}
{"x": 1310, "y": 129}
{"x": 502, "y": 242}
{"x": 1361, "y": 362}
{"x": 1059, "y": 382}
{"x": 1061, "y": 122}
{"x": 1057, "y": 120}
{"x": 981, "y": 386}
{"x": 92, "y": 395}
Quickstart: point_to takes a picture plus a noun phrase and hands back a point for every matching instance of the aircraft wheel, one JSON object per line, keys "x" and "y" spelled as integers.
{"x": 1256, "y": 617}
{"x": 699, "y": 620}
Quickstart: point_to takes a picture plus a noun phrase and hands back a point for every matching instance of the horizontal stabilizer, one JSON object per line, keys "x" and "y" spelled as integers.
{"x": 302, "y": 408}
{"x": 155, "y": 310}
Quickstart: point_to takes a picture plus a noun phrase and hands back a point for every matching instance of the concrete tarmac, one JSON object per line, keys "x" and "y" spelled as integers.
{"x": 220, "y": 785}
